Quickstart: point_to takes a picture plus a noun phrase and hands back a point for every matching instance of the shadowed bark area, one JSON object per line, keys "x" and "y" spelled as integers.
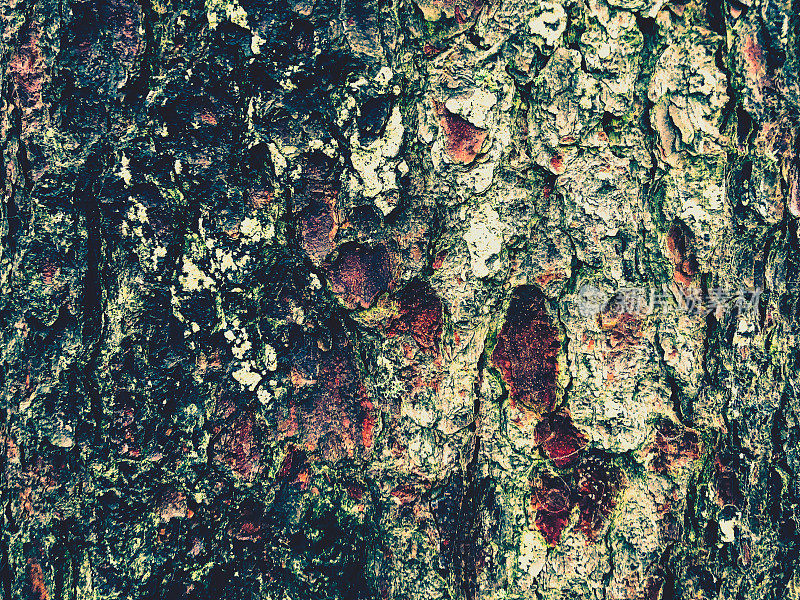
{"x": 399, "y": 299}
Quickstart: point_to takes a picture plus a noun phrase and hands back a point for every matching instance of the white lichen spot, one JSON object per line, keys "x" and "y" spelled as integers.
{"x": 193, "y": 279}
{"x": 278, "y": 160}
{"x": 159, "y": 253}
{"x": 263, "y": 395}
{"x": 384, "y": 76}
{"x": 220, "y": 10}
{"x": 375, "y": 162}
{"x": 532, "y": 553}
{"x": 475, "y": 108}
{"x": 270, "y": 358}
{"x": 225, "y": 260}
{"x": 549, "y": 24}
{"x": 246, "y": 377}
{"x": 484, "y": 239}
{"x": 241, "y": 349}
{"x": 253, "y": 230}
{"x": 124, "y": 170}
{"x": 256, "y": 42}
{"x": 137, "y": 213}
{"x": 727, "y": 529}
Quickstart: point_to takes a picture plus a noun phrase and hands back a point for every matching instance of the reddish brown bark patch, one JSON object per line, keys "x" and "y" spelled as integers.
{"x": 317, "y": 230}
{"x": 526, "y": 351}
{"x": 125, "y": 432}
{"x": 680, "y": 245}
{"x": 552, "y": 500}
{"x": 420, "y": 316}
{"x": 124, "y": 19}
{"x": 463, "y": 140}
{"x": 336, "y": 416}
{"x": 27, "y": 68}
{"x": 622, "y": 332}
{"x": 316, "y": 201}
{"x": 461, "y": 10}
{"x": 621, "y": 320}
{"x": 38, "y": 588}
{"x": 623, "y": 329}
{"x": 674, "y": 447}
{"x": 726, "y": 467}
{"x": 557, "y": 164}
{"x": 293, "y": 464}
{"x": 560, "y": 440}
{"x": 359, "y": 274}
{"x": 597, "y": 484}
{"x": 237, "y": 446}
{"x": 753, "y": 56}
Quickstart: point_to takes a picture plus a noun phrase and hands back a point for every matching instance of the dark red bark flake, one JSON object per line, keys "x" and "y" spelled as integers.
{"x": 38, "y": 588}
{"x": 337, "y": 418}
{"x": 597, "y": 484}
{"x": 463, "y": 139}
{"x": 247, "y": 522}
{"x": 125, "y": 432}
{"x": 237, "y": 446}
{"x": 463, "y": 10}
{"x": 674, "y": 447}
{"x": 622, "y": 331}
{"x": 293, "y": 464}
{"x": 552, "y": 501}
{"x": 526, "y": 351}
{"x": 560, "y": 440}
{"x": 653, "y": 586}
{"x": 123, "y": 19}
{"x": 557, "y": 164}
{"x": 359, "y": 274}
{"x": 420, "y": 316}
{"x": 27, "y": 69}
{"x": 317, "y": 230}
{"x": 355, "y": 491}
{"x": 726, "y": 466}
{"x": 316, "y": 200}
{"x": 680, "y": 245}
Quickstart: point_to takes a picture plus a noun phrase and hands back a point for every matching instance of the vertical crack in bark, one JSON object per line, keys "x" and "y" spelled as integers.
{"x": 5, "y": 567}
{"x": 469, "y": 535}
{"x": 93, "y": 298}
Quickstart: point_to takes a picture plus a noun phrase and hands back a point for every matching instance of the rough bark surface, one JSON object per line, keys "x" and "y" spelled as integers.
{"x": 398, "y": 299}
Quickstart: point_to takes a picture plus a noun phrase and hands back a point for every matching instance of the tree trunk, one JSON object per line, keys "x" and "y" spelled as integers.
{"x": 404, "y": 300}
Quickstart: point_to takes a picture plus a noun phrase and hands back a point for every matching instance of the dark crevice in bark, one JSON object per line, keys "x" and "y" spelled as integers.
{"x": 138, "y": 85}
{"x": 468, "y": 539}
{"x": 715, "y": 16}
{"x": 782, "y": 505}
{"x": 5, "y": 569}
{"x": 22, "y": 151}
{"x": 92, "y": 297}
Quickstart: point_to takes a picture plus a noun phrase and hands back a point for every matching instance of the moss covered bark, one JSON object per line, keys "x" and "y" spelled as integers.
{"x": 399, "y": 299}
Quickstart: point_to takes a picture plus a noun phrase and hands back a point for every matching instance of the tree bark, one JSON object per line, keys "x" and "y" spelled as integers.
{"x": 414, "y": 300}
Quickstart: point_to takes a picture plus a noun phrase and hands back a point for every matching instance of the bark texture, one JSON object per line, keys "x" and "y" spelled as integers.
{"x": 316, "y": 299}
